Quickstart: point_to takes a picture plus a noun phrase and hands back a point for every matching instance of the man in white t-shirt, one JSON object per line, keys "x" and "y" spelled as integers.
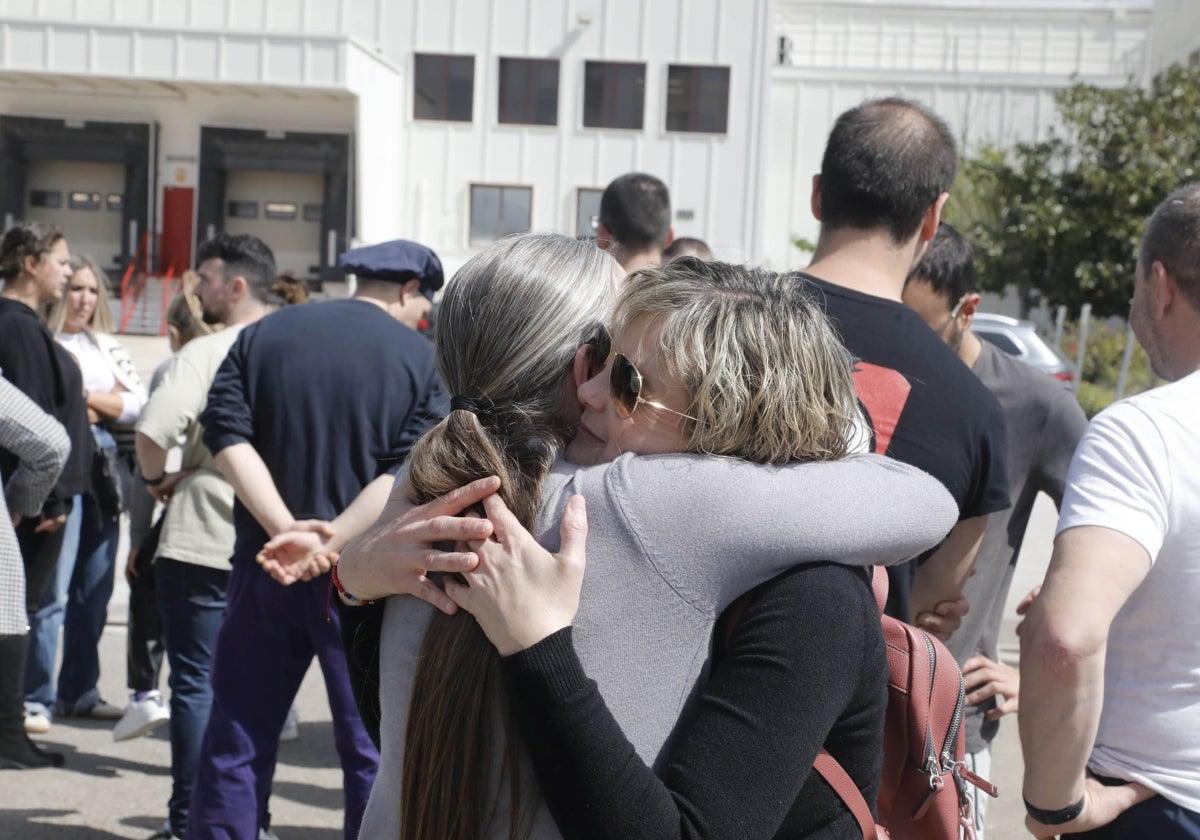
{"x": 1110, "y": 665}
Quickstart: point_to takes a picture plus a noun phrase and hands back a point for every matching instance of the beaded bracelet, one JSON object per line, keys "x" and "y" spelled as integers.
{"x": 347, "y": 598}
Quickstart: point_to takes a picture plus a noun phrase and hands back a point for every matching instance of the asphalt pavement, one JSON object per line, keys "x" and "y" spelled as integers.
{"x": 110, "y": 790}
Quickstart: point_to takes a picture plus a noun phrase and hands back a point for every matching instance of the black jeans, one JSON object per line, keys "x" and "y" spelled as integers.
{"x": 144, "y": 643}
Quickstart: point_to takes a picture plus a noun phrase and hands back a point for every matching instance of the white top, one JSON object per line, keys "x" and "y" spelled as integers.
{"x": 1137, "y": 471}
{"x": 100, "y": 368}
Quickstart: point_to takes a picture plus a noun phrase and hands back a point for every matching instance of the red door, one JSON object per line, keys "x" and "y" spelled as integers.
{"x": 175, "y": 247}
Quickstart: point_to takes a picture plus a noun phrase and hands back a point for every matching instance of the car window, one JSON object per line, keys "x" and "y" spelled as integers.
{"x": 1001, "y": 340}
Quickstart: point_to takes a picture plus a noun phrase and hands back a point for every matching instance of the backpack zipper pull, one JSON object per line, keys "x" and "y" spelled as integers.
{"x": 961, "y": 772}
{"x": 936, "y": 783}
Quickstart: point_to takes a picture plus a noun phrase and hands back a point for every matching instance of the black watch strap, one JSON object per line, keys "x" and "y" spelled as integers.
{"x": 154, "y": 482}
{"x": 1062, "y": 815}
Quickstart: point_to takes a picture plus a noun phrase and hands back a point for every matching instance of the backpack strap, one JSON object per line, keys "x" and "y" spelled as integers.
{"x": 879, "y": 585}
{"x": 838, "y": 779}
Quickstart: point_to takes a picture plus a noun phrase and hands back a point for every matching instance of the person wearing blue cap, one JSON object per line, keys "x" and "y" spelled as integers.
{"x": 309, "y": 417}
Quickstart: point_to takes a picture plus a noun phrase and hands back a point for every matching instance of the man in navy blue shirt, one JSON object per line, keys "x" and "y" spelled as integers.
{"x": 310, "y": 416}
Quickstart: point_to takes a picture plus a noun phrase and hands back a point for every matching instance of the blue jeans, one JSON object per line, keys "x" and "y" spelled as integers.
{"x": 48, "y": 620}
{"x": 87, "y": 611}
{"x": 191, "y": 601}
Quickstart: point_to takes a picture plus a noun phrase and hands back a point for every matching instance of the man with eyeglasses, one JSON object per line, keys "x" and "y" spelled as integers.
{"x": 884, "y": 179}
{"x": 1045, "y": 423}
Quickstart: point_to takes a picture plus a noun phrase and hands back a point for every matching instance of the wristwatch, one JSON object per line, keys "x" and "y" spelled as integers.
{"x": 154, "y": 482}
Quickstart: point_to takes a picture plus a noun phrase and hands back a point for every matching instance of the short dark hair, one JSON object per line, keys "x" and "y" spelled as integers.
{"x": 25, "y": 239}
{"x": 948, "y": 265}
{"x": 636, "y": 209}
{"x": 244, "y": 255}
{"x": 885, "y": 164}
{"x": 1173, "y": 238}
{"x": 687, "y": 246}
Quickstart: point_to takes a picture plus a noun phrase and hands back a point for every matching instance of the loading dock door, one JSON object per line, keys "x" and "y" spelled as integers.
{"x": 84, "y": 201}
{"x": 272, "y": 206}
{"x": 271, "y": 161}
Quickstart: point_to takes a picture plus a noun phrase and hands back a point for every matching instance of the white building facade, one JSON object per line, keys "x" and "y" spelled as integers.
{"x": 990, "y": 69}
{"x": 319, "y": 124}
{"x": 144, "y": 126}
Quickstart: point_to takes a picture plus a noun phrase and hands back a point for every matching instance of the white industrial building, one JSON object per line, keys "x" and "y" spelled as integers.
{"x": 143, "y": 126}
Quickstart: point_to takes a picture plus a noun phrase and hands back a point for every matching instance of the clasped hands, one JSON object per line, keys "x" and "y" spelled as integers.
{"x": 517, "y": 590}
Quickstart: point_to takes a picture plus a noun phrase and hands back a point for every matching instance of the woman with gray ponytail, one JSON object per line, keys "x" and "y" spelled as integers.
{"x": 674, "y": 538}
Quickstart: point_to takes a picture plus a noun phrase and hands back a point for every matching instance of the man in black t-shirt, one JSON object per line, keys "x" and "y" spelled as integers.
{"x": 884, "y": 179}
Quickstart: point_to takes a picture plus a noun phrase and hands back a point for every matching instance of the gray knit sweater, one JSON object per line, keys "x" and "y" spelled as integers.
{"x": 672, "y": 541}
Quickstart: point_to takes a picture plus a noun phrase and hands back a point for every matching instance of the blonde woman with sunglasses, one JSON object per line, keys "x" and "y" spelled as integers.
{"x": 674, "y": 538}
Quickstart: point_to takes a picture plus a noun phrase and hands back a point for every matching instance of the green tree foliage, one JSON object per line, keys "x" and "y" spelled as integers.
{"x": 1061, "y": 219}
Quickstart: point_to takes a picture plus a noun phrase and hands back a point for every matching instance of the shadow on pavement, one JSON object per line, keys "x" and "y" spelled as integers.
{"x": 103, "y": 766}
{"x": 306, "y": 832}
{"x": 312, "y": 795}
{"x": 28, "y": 825}
{"x": 314, "y": 747}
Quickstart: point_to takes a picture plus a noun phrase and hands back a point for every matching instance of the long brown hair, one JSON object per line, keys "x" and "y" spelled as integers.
{"x": 508, "y": 328}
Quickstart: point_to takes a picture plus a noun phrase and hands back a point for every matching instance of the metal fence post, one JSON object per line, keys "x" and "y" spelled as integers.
{"x": 1123, "y": 376}
{"x": 1085, "y": 319}
{"x": 1060, "y": 317}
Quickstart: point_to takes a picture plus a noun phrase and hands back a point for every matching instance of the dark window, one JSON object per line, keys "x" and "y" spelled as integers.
{"x": 697, "y": 99}
{"x": 1000, "y": 340}
{"x": 444, "y": 87}
{"x": 115, "y": 201}
{"x": 313, "y": 212}
{"x": 242, "y": 210}
{"x": 614, "y": 94}
{"x": 499, "y": 211}
{"x": 529, "y": 91}
{"x": 587, "y": 211}
{"x": 45, "y": 198}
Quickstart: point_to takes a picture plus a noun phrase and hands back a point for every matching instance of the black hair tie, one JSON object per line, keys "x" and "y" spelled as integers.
{"x": 461, "y": 403}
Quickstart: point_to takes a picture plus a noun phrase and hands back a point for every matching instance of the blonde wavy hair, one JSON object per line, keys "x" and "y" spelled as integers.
{"x": 768, "y": 379}
{"x": 102, "y": 317}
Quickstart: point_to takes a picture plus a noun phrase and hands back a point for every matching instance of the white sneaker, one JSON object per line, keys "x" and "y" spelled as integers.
{"x": 140, "y": 717}
{"x": 267, "y": 834}
{"x": 291, "y": 726}
{"x": 37, "y": 723}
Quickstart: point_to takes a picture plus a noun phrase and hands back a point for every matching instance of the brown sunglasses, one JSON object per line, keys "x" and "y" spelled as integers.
{"x": 624, "y": 379}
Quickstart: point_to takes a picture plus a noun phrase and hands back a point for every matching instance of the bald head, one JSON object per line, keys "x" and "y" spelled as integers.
{"x": 886, "y": 163}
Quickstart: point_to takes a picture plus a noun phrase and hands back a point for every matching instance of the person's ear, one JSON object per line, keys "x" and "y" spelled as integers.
{"x": 933, "y": 218}
{"x": 604, "y": 237}
{"x": 581, "y": 367}
{"x": 1165, "y": 289}
{"x": 815, "y": 200}
{"x": 970, "y": 306}
{"x": 409, "y": 290}
{"x": 238, "y": 287}
{"x": 29, "y": 264}
{"x": 174, "y": 339}
{"x": 670, "y": 237}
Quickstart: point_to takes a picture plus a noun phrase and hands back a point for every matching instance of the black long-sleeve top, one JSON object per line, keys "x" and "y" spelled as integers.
{"x": 32, "y": 360}
{"x": 331, "y": 395}
{"x": 805, "y": 667}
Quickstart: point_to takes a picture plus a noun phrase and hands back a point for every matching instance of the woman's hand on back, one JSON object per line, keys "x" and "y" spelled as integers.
{"x": 393, "y": 556}
{"x": 520, "y": 593}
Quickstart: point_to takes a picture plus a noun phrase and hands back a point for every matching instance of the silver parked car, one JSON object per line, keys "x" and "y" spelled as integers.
{"x": 1020, "y": 339}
